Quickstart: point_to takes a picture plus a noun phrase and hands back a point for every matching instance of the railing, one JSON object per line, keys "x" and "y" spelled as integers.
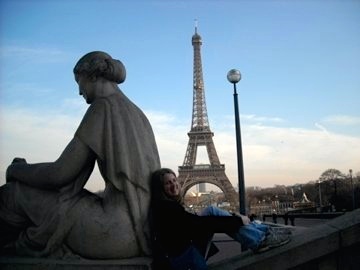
{"x": 202, "y": 167}
{"x": 291, "y": 216}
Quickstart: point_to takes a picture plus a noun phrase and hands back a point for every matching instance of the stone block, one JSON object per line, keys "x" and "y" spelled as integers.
{"x": 333, "y": 245}
{"x": 15, "y": 263}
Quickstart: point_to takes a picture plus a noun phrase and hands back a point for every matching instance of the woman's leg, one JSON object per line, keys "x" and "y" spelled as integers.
{"x": 214, "y": 211}
{"x": 250, "y": 236}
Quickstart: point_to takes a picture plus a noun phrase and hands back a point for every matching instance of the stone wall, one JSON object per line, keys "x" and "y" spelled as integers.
{"x": 330, "y": 246}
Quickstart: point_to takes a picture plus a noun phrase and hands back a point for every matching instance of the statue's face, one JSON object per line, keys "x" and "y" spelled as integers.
{"x": 171, "y": 185}
{"x": 87, "y": 88}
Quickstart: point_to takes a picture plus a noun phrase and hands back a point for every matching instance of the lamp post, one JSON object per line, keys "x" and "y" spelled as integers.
{"x": 320, "y": 202}
{"x": 234, "y": 76}
{"x": 352, "y": 190}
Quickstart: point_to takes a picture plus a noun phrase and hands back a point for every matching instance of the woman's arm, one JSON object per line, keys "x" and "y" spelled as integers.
{"x": 173, "y": 217}
{"x": 213, "y": 224}
{"x": 52, "y": 175}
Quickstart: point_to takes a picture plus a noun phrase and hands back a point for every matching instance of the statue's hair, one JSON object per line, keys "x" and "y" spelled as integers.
{"x": 157, "y": 186}
{"x": 100, "y": 64}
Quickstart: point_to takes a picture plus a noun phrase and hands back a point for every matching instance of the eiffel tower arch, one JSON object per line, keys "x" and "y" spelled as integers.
{"x": 200, "y": 134}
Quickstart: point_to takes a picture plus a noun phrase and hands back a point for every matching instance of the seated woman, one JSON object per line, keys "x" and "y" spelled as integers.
{"x": 181, "y": 238}
{"x": 44, "y": 209}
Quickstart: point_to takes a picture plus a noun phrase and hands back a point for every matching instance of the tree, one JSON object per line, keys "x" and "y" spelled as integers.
{"x": 335, "y": 189}
{"x": 331, "y": 174}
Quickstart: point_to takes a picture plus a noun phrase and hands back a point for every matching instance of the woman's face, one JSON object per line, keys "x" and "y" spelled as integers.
{"x": 87, "y": 88}
{"x": 171, "y": 185}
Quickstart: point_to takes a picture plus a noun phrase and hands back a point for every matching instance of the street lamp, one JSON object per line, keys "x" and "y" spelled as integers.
{"x": 320, "y": 202}
{"x": 352, "y": 190}
{"x": 234, "y": 76}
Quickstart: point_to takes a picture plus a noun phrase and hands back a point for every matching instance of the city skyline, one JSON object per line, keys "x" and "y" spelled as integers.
{"x": 298, "y": 97}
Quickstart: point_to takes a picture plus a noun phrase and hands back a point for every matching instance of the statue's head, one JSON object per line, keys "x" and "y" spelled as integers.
{"x": 100, "y": 64}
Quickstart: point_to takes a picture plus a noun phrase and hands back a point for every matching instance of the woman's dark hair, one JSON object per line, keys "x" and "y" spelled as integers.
{"x": 100, "y": 64}
{"x": 157, "y": 186}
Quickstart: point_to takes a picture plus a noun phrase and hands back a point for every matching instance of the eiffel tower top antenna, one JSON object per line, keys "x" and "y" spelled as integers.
{"x": 200, "y": 120}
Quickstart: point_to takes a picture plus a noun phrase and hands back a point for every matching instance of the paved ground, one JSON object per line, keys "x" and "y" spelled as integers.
{"x": 229, "y": 248}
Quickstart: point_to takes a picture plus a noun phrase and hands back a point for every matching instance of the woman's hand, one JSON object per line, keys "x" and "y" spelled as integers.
{"x": 245, "y": 220}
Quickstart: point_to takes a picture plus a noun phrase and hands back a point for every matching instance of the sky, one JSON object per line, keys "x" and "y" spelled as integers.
{"x": 298, "y": 97}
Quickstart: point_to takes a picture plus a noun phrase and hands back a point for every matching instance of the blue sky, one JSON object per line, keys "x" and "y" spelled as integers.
{"x": 299, "y": 94}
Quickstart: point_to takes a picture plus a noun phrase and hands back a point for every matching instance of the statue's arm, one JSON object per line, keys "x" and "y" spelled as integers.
{"x": 76, "y": 156}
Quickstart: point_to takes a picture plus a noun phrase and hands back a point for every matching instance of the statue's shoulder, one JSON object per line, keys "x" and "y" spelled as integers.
{"x": 98, "y": 105}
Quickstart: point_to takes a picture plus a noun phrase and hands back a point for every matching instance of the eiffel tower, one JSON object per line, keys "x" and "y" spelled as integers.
{"x": 200, "y": 134}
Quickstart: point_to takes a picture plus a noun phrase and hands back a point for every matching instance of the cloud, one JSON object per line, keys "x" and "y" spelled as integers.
{"x": 36, "y": 54}
{"x": 272, "y": 155}
{"x": 321, "y": 127}
{"x": 36, "y": 136}
{"x": 28, "y": 134}
{"x": 255, "y": 118}
{"x": 344, "y": 120}
{"x": 171, "y": 138}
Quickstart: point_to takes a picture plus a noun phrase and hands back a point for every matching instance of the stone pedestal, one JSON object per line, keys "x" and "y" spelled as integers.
{"x": 16, "y": 263}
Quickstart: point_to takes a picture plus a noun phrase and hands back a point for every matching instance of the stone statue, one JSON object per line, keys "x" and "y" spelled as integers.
{"x": 45, "y": 210}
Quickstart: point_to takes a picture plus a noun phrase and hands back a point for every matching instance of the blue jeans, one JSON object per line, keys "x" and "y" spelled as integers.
{"x": 250, "y": 236}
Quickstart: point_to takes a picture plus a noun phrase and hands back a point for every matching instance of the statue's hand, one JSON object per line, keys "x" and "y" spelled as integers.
{"x": 9, "y": 177}
{"x": 18, "y": 160}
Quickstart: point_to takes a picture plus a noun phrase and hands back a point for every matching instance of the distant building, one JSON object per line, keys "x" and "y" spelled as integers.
{"x": 202, "y": 187}
{"x": 303, "y": 203}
